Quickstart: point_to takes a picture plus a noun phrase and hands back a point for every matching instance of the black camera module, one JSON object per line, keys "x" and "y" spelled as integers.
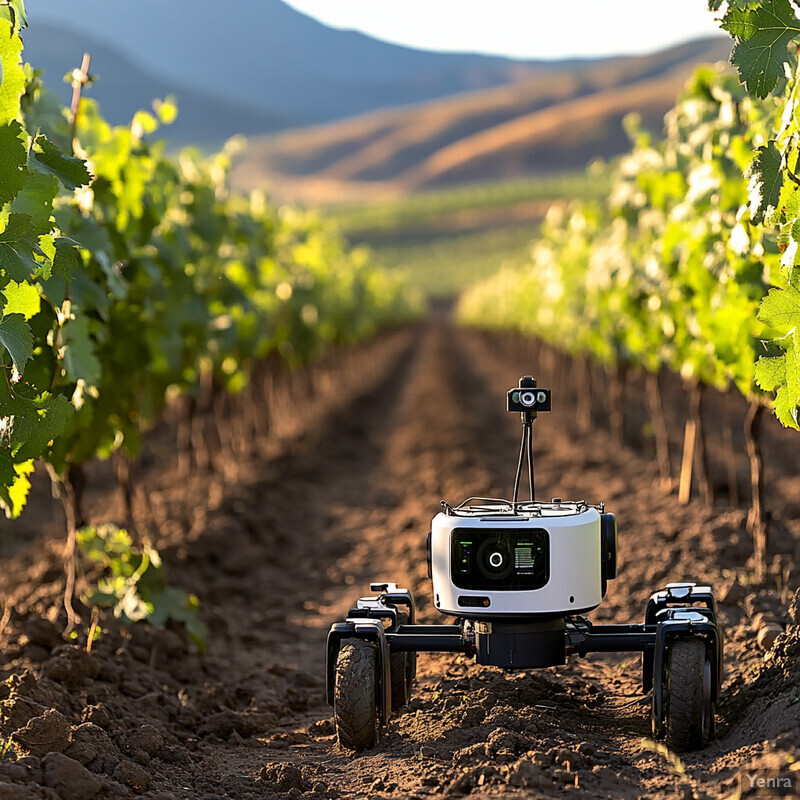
{"x": 528, "y": 400}
{"x": 500, "y": 559}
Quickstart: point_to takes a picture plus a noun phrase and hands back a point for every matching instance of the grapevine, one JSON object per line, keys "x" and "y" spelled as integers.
{"x": 671, "y": 269}
{"x": 33, "y": 252}
{"x": 127, "y": 276}
{"x": 765, "y": 34}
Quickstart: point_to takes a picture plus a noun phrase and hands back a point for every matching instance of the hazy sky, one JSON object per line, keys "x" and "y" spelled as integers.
{"x": 522, "y": 28}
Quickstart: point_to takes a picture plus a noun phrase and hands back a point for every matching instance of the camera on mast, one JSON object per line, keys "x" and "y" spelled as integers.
{"x": 527, "y": 398}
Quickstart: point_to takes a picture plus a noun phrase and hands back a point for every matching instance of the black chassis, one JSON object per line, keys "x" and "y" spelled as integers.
{"x": 678, "y": 610}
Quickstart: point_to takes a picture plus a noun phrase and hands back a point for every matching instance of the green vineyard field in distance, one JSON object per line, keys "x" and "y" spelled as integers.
{"x": 446, "y": 240}
{"x": 441, "y": 265}
{"x": 426, "y": 209}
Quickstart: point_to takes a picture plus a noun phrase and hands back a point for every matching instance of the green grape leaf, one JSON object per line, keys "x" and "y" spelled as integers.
{"x": 103, "y": 598}
{"x": 14, "y": 495}
{"x": 765, "y": 180}
{"x": 14, "y": 484}
{"x": 770, "y": 372}
{"x": 67, "y": 261}
{"x": 18, "y": 491}
{"x": 169, "y": 603}
{"x": 19, "y": 244}
{"x": 784, "y": 409}
{"x": 782, "y": 373}
{"x": 19, "y": 8}
{"x": 7, "y": 473}
{"x": 21, "y": 298}
{"x": 13, "y": 158}
{"x": 792, "y": 344}
{"x": 715, "y": 5}
{"x": 46, "y": 418}
{"x": 781, "y": 308}
{"x": 762, "y": 37}
{"x": 71, "y": 171}
{"x": 16, "y": 337}
{"x": 36, "y": 198}
{"x": 197, "y": 629}
{"x": 12, "y": 85}
{"x": 14, "y": 11}
{"x": 80, "y": 359}
{"x": 791, "y": 201}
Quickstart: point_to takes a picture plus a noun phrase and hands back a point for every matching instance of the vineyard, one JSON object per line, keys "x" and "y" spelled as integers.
{"x": 673, "y": 271}
{"x": 220, "y": 420}
{"x": 130, "y": 278}
{"x": 428, "y": 208}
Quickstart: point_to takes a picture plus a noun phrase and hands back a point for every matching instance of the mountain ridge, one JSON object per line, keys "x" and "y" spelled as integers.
{"x": 541, "y": 125}
{"x": 268, "y": 56}
{"x": 332, "y": 112}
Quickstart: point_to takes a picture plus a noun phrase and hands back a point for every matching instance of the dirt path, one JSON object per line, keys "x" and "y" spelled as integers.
{"x": 344, "y": 495}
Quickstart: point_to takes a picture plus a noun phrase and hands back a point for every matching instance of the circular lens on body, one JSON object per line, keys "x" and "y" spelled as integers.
{"x": 494, "y": 559}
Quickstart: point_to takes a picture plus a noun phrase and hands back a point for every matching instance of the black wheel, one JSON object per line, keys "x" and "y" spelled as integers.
{"x": 608, "y": 551}
{"x": 355, "y": 706}
{"x": 404, "y": 670}
{"x": 690, "y": 710}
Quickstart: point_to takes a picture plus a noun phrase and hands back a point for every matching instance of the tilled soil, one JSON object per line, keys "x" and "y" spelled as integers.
{"x": 339, "y": 491}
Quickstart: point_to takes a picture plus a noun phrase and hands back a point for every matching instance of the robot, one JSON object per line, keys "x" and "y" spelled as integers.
{"x": 518, "y": 576}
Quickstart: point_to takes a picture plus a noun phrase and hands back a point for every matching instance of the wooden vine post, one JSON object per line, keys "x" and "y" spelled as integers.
{"x": 685, "y": 483}
{"x": 700, "y": 450}
{"x": 695, "y": 458}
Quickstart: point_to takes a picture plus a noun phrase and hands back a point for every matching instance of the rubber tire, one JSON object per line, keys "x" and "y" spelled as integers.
{"x": 404, "y": 670}
{"x": 609, "y": 546}
{"x": 355, "y": 706}
{"x": 690, "y": 717}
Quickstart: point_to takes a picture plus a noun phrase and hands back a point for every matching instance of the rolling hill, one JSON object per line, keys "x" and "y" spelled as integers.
{"x": 260, "y": 57}
{"x": 543, "y": 124}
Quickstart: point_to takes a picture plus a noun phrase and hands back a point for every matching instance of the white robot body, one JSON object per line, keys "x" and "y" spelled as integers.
{"x": 541, "y": 559}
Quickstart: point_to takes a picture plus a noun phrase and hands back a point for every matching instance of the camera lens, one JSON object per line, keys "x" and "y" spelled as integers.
{"x": 527, "y": 398}
{"x": 494, "y": 559}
